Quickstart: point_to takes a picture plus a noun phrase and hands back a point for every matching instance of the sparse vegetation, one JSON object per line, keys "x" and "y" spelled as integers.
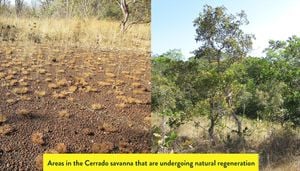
{"x": 22, "y": 90}
{"x": 39, "y": 162}
{"x": 38, "y": 138}
{"x": 3, "y": 119}
{"x": 61, "y": 148}
{"x": 108, "y": 127}
{"x": 105, "y": 147}
{"x": 6, "y": 129}
{"x": 53, "y": 85}
{"x": 52, "y": 73}
{"x": 40, "y": 93}
{"x": 24, "y": 112}
{"x": 72, "y": 89}
{"x": 97, "y": 106}
{"x": 64, "y": 114}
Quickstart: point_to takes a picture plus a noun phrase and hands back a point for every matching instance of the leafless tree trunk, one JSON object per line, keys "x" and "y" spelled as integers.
{"x": 19, "y": 6}
{"x": 125, "y": 10}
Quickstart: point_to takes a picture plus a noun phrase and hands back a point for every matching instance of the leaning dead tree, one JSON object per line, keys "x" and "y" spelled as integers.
{"x": 125, "y": 11}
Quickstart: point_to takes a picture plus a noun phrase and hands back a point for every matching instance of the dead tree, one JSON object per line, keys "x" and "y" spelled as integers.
{"x": 19, "y": 4}
{"x": 125, "y": 11}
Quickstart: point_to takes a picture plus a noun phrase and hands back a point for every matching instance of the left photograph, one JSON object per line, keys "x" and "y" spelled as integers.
{"x": 74, "y": 78}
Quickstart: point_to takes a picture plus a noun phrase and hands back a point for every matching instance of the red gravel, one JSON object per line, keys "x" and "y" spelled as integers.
{"x": 111, "y": 129}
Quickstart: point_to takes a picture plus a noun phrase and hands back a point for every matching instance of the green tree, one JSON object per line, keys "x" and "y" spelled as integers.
{"x": 288, "y": 50}
{"x": 222, "y": 42}
{"x": 220, "y": 35}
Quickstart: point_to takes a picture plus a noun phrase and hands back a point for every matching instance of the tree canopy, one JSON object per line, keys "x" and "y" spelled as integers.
{"x": 220, "y": 34}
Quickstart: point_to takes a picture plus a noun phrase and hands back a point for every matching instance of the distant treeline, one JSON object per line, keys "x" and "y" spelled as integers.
{"x": 101, "y": 9}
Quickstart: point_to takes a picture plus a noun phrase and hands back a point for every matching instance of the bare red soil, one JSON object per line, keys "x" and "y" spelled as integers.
{"x": 87, "y": 100}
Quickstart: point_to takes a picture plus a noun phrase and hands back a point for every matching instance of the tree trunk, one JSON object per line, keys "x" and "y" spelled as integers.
{"x": 233, "y": 114}
{"x": 238, "y": 123}
{"x": 212, "y": 123}
{"x": 125, "y": 10}
{"x": 19, "y": 6}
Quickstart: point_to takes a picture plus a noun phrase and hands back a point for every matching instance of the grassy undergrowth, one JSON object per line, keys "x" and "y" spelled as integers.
{"x": 278, "y": 145}
{"x": 84, "y": 32}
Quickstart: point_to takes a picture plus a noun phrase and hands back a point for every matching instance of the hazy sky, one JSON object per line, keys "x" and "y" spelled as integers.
{"x": 172, "y": 25}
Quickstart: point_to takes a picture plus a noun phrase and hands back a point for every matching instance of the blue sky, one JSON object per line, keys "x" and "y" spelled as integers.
{"x": 172, "y": 26}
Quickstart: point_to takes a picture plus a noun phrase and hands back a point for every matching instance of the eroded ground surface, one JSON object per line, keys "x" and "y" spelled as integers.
{"x": 75, "y": 100}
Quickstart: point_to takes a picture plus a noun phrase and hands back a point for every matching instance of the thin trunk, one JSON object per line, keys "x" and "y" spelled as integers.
{"x": 238, "y": 123}
{"x": 125, "y": 11}
{"x": 68, "y": 9}
{"x": 219, "y": 60}
{"x": 212, "y": 123}
{"x": 233, "y": 114}
{"x": 163, "y": 133}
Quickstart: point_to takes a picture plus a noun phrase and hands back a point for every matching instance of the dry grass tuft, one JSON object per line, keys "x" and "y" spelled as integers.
{"x": 40, "y": 93}
{"x": 13, "y": 82}
{"x": 121, "y": 105}
{"x": 3, "y": 119}
{"x": 71, "y": 99}
{"x": 60, "y": 95}
{"x": 90, "y": 89}
{"x": 39, "y": 162}
{"x": 39, "y": 159}
{"x": 119, "y": 93}
{"x": 24, "y": 98}
{"x": 62, "y": 82}
{"x": 11, "y": 101}
{"x": 48, "y": 79}
{"x": 97, "y": 106}
{"x": 131, "y": 100}
{"x": 24, "y": 112}
{"x": 110, "y": 75}
{"x": 81, "y": 81}
{"x": 6, "y": 130}
{"x": 104, "y": 147}
{"x": 2, "y": 75}
{"x": 64, "y": 114}
{"x": 125, "y": 72}
{"x": 60, "y": 71}
{"x": 138, "y": 91}
{"x": 38, "y": 138}
{"x": 103, "y": 83}
{"x": 53, "y": 85}
{"x": 61, "y": 148}
{"x": 108, "y": 127}
{"x": 136, "y": 85}
{"x": 72, "y": 89}
{"x": 21, "y": 90}
{"x": 9, "y": 77}
{"x": 42, "y": 71}
{"x": 23, "y": 83}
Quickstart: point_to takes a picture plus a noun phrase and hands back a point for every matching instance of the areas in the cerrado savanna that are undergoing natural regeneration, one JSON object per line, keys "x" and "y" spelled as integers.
{"x": 74, "y": 77}
{"x": 222, "y": 100}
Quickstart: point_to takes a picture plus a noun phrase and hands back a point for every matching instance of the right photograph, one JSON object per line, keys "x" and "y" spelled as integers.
{"x": 226, "y": 79}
